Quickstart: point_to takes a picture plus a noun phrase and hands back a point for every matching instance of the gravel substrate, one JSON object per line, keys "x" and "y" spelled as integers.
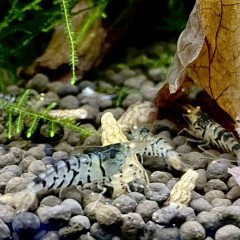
{"x": 84, "y": 214}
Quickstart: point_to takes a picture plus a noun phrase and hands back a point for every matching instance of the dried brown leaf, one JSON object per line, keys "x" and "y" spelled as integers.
{"x": 208, "y": 52}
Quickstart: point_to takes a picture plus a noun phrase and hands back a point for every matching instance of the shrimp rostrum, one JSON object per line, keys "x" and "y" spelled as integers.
{"x": 205, "y": 128}
{"x": 99, "y": 165}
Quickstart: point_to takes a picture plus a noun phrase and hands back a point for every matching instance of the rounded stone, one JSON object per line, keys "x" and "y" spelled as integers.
{"x": 69, "y": 102}
{"x": 159, "y": 176}
{"x": 201, "y": 180}
{"x": 229, "y": 232}
{"x": 195, "y": 159}
{"x": 200, "y": 205}
{"x": 108, "y": 215}
{"x": 219, "y": 202}
{"x": 15, "y": 169}
{"x": 209, "y": 196}
{"x": 36, "y": 152}
{"x": 158, "y": 192}
{"x": 138, "y": 197}
{"x": 37, "y": 167}
{"x": 73, "y": 205}
{"x": 125, "y": 204}
{"x": 233, "y": 193}
{"x": 231, "y": 215}
{"x": 4, "y": 230}
{"x": 146, "y": 209}
{"x": 50, "y": 201}
{"x": 192, "y": 230}
{"x": 60, "y": 155}
{"x": 7, "y": 213}
{"x": 39, "y": 82}
{"x": 102, "y": 232}
{"x": 218, "y": 169}
{"x": 25, "y": 163}
{"x": 215, "y": 184}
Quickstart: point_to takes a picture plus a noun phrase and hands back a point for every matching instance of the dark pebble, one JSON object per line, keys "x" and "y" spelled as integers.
{"x": 219, "y": 202}
{"x": 146, "y": 209}
{"x": 69, "y": 102}
{"x": 138, "y": 197}
{"x": 125, "y": 204}
{"x": 218, "y": 169}
{"x": 159, "y": 176}
{"x": 192, "y": 230}
{"x": 215, "y": 184}
{"x": 234, "y": 193}
{"x": 102, "y": 232}
{"x": 200, "y": 205}
{"x": 67, "y": 89}
{"x": 158, "y": 192}
{"x": 39, "y": 82}
{"x": 231, "y": 215}
{"x": 209, "y": 196}
{"x": 168, "y": 233}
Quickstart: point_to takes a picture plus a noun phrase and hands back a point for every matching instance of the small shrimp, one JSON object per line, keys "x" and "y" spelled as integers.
{"x": 99, "y": 165}
{"x": 157, "y": 145}
{"x": 205, "y": 128}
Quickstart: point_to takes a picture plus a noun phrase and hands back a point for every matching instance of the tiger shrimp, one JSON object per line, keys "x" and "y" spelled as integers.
{"x": 99, "y": 165}
{"x": 158, "y": 146}
{"x": 205, "y": 128}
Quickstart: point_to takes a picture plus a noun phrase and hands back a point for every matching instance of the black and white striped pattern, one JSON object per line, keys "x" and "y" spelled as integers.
{"x": 202, "y": 126}
{"x": 98, "y": 165}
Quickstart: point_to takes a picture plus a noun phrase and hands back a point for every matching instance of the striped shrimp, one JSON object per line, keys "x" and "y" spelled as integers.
{"x": 157, "y": 145}
{"x": 205, "y": 128}
{"x": 99, "y": 165}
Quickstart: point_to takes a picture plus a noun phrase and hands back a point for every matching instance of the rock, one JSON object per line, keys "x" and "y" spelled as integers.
{"x": 26, "y": 224}
{"x": 7, "y": 213}
{"x": 217, "y": 169}
{"x": 131, "y": 99}
{"x": 135, "y": 82}
{"x": 72, "y": 192}
{"x": 73, "y": 205}
{"x": 14, "y": 157}
{"x": 51, "y": 235}
{"x": 200, "y": 205}
{"x": 25, "y": 163}
{"x": 195, "y": 159}
{"x": 4, "y": 230}
{"x": 219, "y": 202}
{"x": 156, "y": 74}
{"x": 91, "y": 209}
{"x": 79, "y": 222}
{"x": 92, "y": 113}
{"x": 229, "y": 232}
{"x": 91, "y": 197}
{"x": 234, "y": 193}
{"x": 184, "y": 149}
{"x": 60, "y": 155}
{"x": 50, "y": 201}
{"x": 5, "y": 177}
{"x": 116, "y": 112}
{"x": 201, "y": 180}
{"x": 159, "y": 176}
{"x": 215, "y": 184}
{"x": 165, "y": 215}
{"x": 236, "y": 203}
{"x": 125, "y": 204}
{"x": 108, "y": 215}
{"x": 150, "y": 229}
{"x": 158, "y": 192}
{"x": 36, "y": 152}
{"x": 231, "y": 182}
{"x": 168, "y": 233}
{"x": 15, "y": 169}
{"x": 209, "y": 196}
{"x": 210, "y": 221}
{"x": 146, "y": 209}
{"x": 69, "y": 102}
{"x": 59, "y": 212}
{"x": 138, "y": 197}
{"x": 148, "y": 91}
{"x": 231, "y": 215}
{"x": 86, "y": 237}
{"x": 37, "y": 167}
{"x": 67, "y": 89}
{"x": 192, "y": 230}
{"x": 39, "y": 82}
{"x": 102, "y": 232}
{"x": 74, "y": 138}
{"x": 132, "y": 224}
{"x": 185, "y": 214}
{"x": 179, "y": 140}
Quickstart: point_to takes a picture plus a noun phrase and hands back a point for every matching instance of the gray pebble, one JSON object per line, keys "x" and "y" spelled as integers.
{"x": 156, "y": 74}
{"x": 126, "y": 73}
{"x": 132, "y": 224}
{"x": 185, "y": 214}
{"x": 192, "y": 230}
{"x": 79, "y": 222}
{"x": 101, "y": 232}
{"x": 108, "y": 215}
{"x": 59, "y": 212}
{"x": 229, "y": 232}
{"x": 54, "y": 86}
{"x": 67, "y": 89}
{"x": 159, "y": 176}
{"x": 148, "y": 91}
{"x": 91, "y": 112}
{"x": 25, "y": 163}
{"x": 51, "y": 235}
{"x": 236, "y": 203}
{"x": 195, "y": 159}
{"x": 5, "y": 177}
{"x": 172, "y": 182}
{"x": 125, "y": 204}
{"x": 138, "y": 197}
{"x": 209, "y": 196}
{"x": 69, "y": 102}
{"x": 231, "y": 215}
{"x": 200, "y": 205}
{"x": 183, "y": 149}
{"x": 210, "y": 221}
{"x": 73, "y": 205}
{"x": 91, "y": 209}
{"x": 7, "y": 213}
{"x": 135, "y": 82}
{"x": 14, "y": 157}
{"x": 146, "y": 209}
{"x": 74, "y": 138}
{"x": 26, "y": 223}
{"x": 36, "y": 152}
{"x": 88, "y": 197}
{"x": 72, "y": 192}
{"x": 149, "y": 230}
{"x": 218, "y": 169}
{"x": 39, "y": 82}
{"x": 165, "y": 215}
{"x": 37, "y": 167}
{"x": 168, "y": 233}
{"x": 215, "y": 184}
{"x": 50, "y": 201}
{"x": 234, "y": 193}
{"x": 4, "y": 230}
{"x": 60, "y": 155}
{"x": 104, "y": 102}
{"x": 86, "y": 237}
{"x": 231, "y": 182}
{"x": 85, "y": 83}
{"x": 15, "y": 169}
{"x": 201, "y": 180}
{"x": 131, "y": 99}
{"x": 158, "y": 192}
{"x": 179, "y": 140}
{"x": 219, "y": 202}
